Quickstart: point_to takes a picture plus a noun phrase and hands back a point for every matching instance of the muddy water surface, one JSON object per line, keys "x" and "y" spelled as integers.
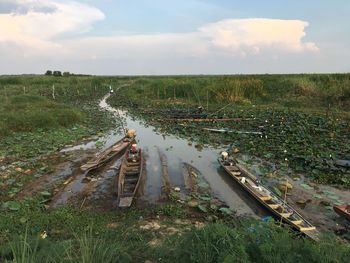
{"x": 179, "y": 151}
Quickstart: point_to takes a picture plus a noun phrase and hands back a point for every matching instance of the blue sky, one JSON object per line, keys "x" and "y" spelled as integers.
{"x": 117, "y": 37}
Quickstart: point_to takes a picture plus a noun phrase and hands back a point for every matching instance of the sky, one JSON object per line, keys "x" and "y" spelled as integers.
{"x": 162, "y": 37}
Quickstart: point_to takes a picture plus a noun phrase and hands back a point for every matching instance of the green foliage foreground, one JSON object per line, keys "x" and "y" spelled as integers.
{"x": 258, "y": 242}
{"x": 216, "y": 242}
{"x": 33, "y": 234}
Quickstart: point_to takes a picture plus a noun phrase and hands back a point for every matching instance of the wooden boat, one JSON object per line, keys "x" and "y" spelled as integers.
{"x": 343, "y": 163}
{"x": 129, "y": 177}
{"x": 342, "y": 210}
{"x": 269, "y": 200}
{"x": 204, "y": 120}
{"x": 189, "y": 116}
{"x": 107, "y": 155}
{"x": 225, "y": 130}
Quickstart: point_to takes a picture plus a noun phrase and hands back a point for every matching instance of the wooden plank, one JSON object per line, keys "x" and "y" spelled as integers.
{"x": 304, "y": 229}
{"x": 296, "y": 222}
{"x": 274, "y": 206}
{"x": 285, "y": 215}
{"x": 125, "y": 201}
{"x": 266, "y": 198}
{"x": 245, "y": 171}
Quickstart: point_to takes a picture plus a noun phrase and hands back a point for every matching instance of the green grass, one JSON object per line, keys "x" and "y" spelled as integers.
{"x": 27, "y": 113}
{"x": 84, "y": 237}
{"x": 257, "y": 242}
{"x": 314, "y": 91}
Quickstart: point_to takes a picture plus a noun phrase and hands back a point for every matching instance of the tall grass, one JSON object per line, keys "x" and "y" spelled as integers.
{"x": 309, "y": 91}
{"x": 260, "y": 242}
{"x": 27, "y": 249}
{"x": 29, "y": 112}
{"x": 84, "y": 249}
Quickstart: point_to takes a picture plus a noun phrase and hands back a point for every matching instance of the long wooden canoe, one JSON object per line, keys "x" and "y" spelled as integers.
{"x": 203, "y": 120}
{"x": 107, "y": 155}
{"x": 128, "y": 179}
{"x": 342, "y": 210}
{"x": 269, "y": 200}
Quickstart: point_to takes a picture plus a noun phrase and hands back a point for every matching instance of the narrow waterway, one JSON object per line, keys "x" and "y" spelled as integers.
{"x": 178, "y": 152}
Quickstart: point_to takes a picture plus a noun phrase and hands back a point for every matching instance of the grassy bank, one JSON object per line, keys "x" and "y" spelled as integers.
{"x": 27, "y": 113}
{"x": 68, "y": 235}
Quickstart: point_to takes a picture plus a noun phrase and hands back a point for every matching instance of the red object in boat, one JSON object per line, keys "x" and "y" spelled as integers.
{"x": 342, "y": 210}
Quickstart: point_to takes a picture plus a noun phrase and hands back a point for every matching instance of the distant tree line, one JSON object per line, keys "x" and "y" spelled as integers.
{"x": 57, "y": 73}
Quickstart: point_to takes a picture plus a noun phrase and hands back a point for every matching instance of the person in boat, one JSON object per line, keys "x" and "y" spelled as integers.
{"x": 200, "y": 109}
{"x": 225, "y": 157}
{"x": 134, "y": 153}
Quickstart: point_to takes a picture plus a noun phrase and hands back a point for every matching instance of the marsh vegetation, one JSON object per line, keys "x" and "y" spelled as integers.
{"x": 304, "y": 120}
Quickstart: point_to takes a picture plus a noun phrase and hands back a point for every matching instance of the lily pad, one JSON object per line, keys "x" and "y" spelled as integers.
{"x": 202, "y": 208}
{"x": 23, "y": 220}
{"x": 226, "y": 211}
{"x": 213, "y": 207}
{"x": 13, "y": 205}
{"x": 205, "y": 198}
{"x": 329, "y": 208}
{"x": 333, "y": 197}
{"x": 306, "y": 186}
{"x": 45, "y": 194}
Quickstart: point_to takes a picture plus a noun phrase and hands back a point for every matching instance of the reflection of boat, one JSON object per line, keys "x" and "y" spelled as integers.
{"x": 129, "y": 178}
{"x": 343, "y": 210}
{"x": 269, "y": 200}
{"x": 107, "y": 155}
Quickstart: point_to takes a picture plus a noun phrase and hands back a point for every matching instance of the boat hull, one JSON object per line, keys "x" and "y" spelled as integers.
{"x": 128, "y": 180}
{"x": 276, "y": 206}
{"x": 107, "y": 155}
{"x": 342, "y": 210}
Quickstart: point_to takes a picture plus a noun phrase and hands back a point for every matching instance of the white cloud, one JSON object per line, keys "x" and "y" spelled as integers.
{"x": 258, "y": 33}
{"x": 233, "y": 37}
{"x": 51, "y": 30}
{"x": 35, "y": 24}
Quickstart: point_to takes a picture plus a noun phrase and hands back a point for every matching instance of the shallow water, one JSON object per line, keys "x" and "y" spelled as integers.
{"x": 178, "y": 151}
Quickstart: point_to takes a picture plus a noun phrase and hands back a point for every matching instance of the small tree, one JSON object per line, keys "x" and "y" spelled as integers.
{"x": 48, "y": 73}
{"x": 57, "y": 73}
{"x": 66, "y": 74}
